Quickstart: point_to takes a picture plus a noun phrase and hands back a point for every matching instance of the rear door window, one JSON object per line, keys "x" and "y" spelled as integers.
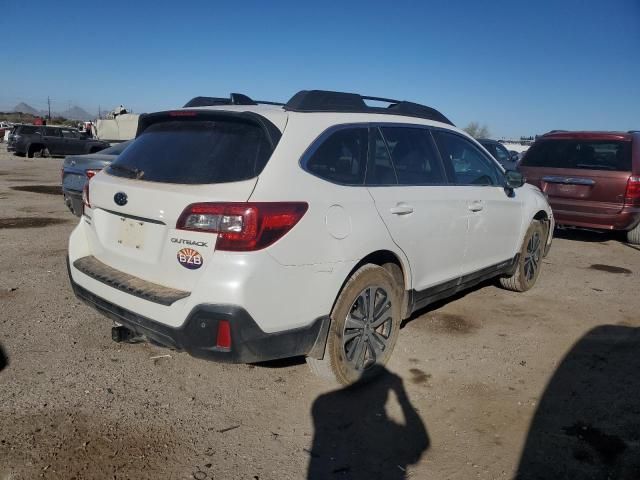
{"x": 580, "y": 154}
{"x": 341, "y": 157}
{"x": 414, "y": 156}
{"x": 51, "y": 132}
{"x": 195, "y": 152}
{"x": 68, "y": 133}
{"x": 380, "y": 170}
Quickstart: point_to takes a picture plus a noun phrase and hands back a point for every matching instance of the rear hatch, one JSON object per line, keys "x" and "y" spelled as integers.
{"x": 581, "y": 175}
{"x": 178, "y": 158}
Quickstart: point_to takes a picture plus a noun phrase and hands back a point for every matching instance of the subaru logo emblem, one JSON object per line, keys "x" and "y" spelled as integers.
{"x": 120, "y": 198}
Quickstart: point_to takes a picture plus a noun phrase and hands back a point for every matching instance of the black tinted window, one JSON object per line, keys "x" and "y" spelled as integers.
{"x": 380, "y": 169}
{"x": 26, "y": 130}
{"x": 70, "y": 134}
{"x": 342, "y": 157}
{"x": 51, "y": 132}
{"x": 195, "y": 152}
{"x": 581, "y": 154}
{"x": 414, "y": 156}
{"x": 466, "y": 164}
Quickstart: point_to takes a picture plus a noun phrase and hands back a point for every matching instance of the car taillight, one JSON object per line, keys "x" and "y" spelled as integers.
{"x": 632, "y": 195}
{"x": 243, "y": 227}
{"x": 91, "y": 173}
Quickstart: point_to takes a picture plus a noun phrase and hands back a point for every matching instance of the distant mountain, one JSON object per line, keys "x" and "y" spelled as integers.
{"x": 24, "y": 108}
{"x": 72, "y": 113}
{"x": 76, "y": 113}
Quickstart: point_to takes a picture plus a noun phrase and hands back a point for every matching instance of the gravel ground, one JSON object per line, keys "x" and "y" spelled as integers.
{"x": 478, "y": 386}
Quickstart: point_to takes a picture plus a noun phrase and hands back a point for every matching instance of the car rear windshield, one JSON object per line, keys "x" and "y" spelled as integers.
{"x": 195, "y": 152}
{"x": 580, "y": 154}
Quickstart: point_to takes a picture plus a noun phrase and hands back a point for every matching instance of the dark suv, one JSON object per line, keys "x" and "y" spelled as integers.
{"x": 43, "y": 141}
{"x": 592, "y": 179}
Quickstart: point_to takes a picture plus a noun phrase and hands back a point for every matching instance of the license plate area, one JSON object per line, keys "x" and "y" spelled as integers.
{"x": 131, "y": 233}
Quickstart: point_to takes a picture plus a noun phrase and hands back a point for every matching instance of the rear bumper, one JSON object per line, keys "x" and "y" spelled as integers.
{"x": 626, "y": 219}
{"x": 198, "y": 335}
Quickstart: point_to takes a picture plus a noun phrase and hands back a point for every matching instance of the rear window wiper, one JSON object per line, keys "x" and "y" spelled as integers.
{"x": 134, "y": 172}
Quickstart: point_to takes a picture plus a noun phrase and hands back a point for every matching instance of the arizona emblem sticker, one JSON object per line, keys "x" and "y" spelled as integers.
{"x": 190, "y": 258}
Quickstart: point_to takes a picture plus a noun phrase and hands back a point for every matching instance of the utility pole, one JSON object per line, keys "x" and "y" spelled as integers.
{"x": 49, "y": 104}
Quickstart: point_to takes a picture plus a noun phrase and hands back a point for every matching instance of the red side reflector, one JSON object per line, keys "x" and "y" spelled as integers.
{"x": 223, "y": 339}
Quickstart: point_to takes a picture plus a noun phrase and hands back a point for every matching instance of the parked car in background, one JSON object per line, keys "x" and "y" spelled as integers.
{"x": 507, "y": 159}
{"x": 4, "y": 128}
{"x": 362, "y": 214}
{"x": 44, "y": 141}
{"x": 592, "y": 179}
{"x": 78, "y": 169}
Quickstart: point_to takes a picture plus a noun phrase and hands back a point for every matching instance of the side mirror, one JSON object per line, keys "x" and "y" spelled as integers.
{"x": 514, "y": 156}
{"x": 513, "y": 179}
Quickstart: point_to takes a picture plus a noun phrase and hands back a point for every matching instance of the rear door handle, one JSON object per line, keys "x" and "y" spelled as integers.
{"x": 401, "y": 209}
{"x": 475, "y": 206}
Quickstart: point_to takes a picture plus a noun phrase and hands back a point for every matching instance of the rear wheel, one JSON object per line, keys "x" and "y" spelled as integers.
{"x": 365, "y": 322}
{"x": 633, "y": 235}
{"x": 529, "y": 262}
{"x": 42, "y": 153}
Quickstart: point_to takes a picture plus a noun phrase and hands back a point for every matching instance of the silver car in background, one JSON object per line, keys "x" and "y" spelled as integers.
{"x": 78, "y": 169}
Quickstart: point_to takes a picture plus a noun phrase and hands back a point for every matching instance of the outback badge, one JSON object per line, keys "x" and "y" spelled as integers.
{"x": 120, "y": 198}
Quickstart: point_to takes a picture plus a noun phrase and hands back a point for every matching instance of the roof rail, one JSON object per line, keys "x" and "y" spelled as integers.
{"x": 234, "y": 99}
{"x": 327, "y": 101}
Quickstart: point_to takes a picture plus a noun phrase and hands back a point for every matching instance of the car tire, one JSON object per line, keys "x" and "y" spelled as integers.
{"x": 633, "y": 235}
{"x": 529, "y": 261}
{"x": 42, "y": 153}
{"x": 359, "y": 343}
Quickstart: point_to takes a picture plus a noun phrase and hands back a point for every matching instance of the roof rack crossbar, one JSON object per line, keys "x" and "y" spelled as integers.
{"x": 380, "y": 99}
{"x": 328, "y": 101}
{"x": 233, "y": 99}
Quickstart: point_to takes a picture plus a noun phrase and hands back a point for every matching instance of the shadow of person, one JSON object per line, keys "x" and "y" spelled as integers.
{"x": 587, "y": 425}
{"x": 4, "y": 361}
{"x": 354, "y": 437}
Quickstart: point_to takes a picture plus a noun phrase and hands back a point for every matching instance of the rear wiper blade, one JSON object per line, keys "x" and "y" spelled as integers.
{"x": 134, "y": 172}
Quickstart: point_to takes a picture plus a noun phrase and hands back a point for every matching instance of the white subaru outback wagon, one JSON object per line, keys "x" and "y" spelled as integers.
{"x": 244, "y": 231}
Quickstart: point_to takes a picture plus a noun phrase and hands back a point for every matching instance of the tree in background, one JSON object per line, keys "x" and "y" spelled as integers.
{"x": 476, "y": 131}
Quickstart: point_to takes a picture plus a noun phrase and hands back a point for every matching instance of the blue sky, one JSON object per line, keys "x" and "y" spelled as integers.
{"x": 521, "y": 67}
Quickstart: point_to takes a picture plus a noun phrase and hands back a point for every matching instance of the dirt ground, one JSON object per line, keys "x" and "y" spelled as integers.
{"x": 489, "y": 385}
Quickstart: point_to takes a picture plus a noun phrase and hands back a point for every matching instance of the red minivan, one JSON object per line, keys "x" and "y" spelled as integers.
{"x": 592, "y": 179}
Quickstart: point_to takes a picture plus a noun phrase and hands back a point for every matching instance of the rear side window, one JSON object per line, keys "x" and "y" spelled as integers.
{"x": 580, "y": 154}
{"x": 26, "y": 130}
{"x": 341, "y": 157}
{"x": 195, "y": 152}
{"x": 414, "y": 156}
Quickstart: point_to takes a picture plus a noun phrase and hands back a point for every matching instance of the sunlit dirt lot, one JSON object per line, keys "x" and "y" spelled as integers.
{"x": 479, "y": 386}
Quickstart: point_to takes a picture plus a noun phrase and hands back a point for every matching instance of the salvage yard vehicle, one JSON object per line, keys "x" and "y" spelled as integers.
{"x": 78, "y": 169}
{"x": 243, "y": 232}
{"x": 592, "y": 179}
{"x": 506, "y": 158}
{"x": 43, "y": 141}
